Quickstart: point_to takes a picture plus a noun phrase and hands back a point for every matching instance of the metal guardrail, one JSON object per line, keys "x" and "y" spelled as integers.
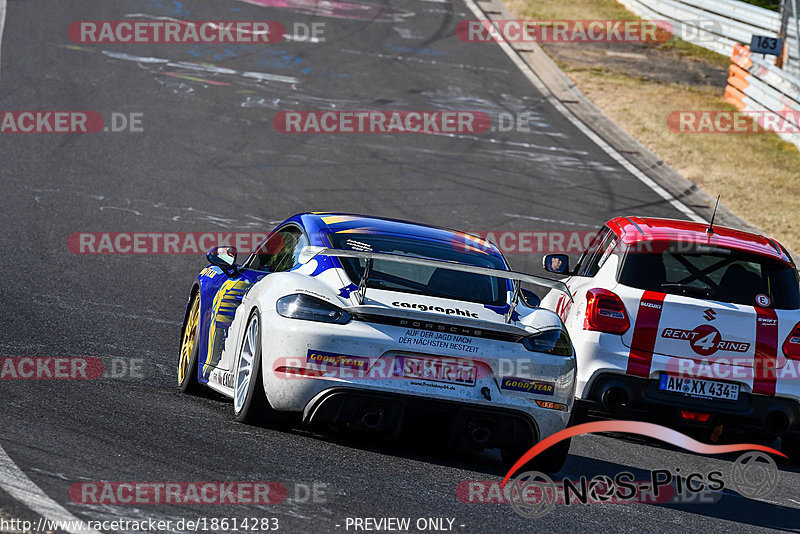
{"x": 718, "y": 25}
{"x": 755, "y": 85}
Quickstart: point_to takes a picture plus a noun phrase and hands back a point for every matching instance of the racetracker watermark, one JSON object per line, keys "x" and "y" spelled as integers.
{"x": 525, "y": 241}
{"x": 68, "y": 122}
{"x": 70, "y": 368}
{"x": 198, "y": 524}
{"x": 162, "y": 242}
{"x": 50, "y": 368}
{"x": 507, "y": 241}
{"x": 132, "y": 493}
{"x": 734, "y": 122}
{"x": 731, "y": 367}
{"x": 175, "y": 32}
{"x": 586, "y": 31}
{"x": 563, "y": 242}
{"x": 564, "y": 31}
{"x": 619, "y": 489}
{"x": 176, "y": 493}
{"x": 381, "y": 122}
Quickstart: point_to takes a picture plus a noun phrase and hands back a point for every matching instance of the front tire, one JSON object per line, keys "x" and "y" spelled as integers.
{"x": 250, "y": 403}
{"x": 187, "y": 361}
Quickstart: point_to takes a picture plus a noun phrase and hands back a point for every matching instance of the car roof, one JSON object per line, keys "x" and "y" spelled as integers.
{"x": 632, "y": 230}
{"x": 330, "y": 222}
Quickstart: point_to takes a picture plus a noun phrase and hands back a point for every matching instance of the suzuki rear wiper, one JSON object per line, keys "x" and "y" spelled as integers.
{"x": 690, "y": 290}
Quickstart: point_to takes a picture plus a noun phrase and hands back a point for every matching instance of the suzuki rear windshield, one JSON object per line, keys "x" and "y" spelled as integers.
{"x": 717, "y": 274}
{"x": 419, "y": 279}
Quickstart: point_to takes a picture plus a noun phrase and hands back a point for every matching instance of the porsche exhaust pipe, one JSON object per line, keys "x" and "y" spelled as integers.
{"x": 372, "y": 420}
{"x": 480, "y": 435}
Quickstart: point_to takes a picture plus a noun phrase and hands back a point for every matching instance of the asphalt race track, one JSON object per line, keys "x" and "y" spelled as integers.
{"x": 209, "y": 159}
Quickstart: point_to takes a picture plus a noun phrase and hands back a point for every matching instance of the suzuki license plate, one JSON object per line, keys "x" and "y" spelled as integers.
{"x": 697, "y": 387}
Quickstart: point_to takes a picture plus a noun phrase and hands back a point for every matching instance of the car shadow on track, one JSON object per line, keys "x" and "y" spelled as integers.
{"x": 782, "y": 463}
{"x": 409, "y": 446}
{"x": 724, "y": 505}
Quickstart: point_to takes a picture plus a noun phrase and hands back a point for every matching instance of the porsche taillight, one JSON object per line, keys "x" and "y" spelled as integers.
{"x": 605, "y": 312}
{"x": 791, "y": 347}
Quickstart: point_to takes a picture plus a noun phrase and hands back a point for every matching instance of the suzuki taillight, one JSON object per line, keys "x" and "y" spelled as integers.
{"x": 605, "y": 312}
{"x": 791, "y": 347}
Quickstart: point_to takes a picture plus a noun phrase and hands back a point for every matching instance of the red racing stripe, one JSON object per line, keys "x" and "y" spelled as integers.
{"x": 645, "y": 332}
{"x": 766, "y": 357}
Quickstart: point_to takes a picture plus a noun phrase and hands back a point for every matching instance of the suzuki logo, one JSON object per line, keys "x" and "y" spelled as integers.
{"x": 709, "y": 314}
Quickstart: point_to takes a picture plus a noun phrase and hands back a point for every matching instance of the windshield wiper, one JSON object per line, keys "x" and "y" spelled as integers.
{"x": 685, "y": 289}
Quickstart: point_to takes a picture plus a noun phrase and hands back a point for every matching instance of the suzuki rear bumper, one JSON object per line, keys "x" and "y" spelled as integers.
{"x": 623, "y": 396}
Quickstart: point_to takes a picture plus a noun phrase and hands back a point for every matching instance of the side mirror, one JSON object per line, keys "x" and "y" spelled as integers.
{"x": 529, "y": 298}
{"x": 223, "y": 257}
{"x": 556, "y": 263}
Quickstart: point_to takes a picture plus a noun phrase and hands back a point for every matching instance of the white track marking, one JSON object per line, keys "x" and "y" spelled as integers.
{"x": 2, "y": 25}
{"x": 12, "y": 479}
{"x": 608, "y": 149}
{"x": 549, "y": 220}
{"x": 20, "y": 487}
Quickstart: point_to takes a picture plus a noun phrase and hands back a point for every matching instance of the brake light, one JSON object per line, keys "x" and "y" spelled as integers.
{"x": 300, "y": 371}
{"x": 695, "y": 416}
{"x": 791, "y": 347}
{"x": 605, "y": 312}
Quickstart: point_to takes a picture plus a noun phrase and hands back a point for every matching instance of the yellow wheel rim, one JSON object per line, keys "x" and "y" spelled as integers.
{"x": 189, "y": 334}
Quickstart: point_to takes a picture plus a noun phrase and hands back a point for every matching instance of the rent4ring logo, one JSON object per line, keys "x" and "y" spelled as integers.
{"x": 68, "y": 122}
{"x": 533, "y": 494}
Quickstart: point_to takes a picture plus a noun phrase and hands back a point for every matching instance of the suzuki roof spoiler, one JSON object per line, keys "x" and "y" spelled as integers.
{"x": 308, "y": 253}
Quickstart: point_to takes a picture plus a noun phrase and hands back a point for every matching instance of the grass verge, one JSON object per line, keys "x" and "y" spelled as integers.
{"x": 758, "y": 175}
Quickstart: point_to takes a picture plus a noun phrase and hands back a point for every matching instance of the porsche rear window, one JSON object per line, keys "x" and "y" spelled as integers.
{"x": 716, "y": 274}
{"x": 420, "y": 279}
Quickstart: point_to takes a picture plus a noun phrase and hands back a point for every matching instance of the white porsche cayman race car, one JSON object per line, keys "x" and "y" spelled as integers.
{"x": 368, "y": 324}
{"x": 686, "y": 324}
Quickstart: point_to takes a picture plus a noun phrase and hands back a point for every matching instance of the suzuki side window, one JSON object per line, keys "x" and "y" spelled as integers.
{"x": 591, "y": 249}
{"x": 280, "y": 251}
{"x": 604, "y": 244}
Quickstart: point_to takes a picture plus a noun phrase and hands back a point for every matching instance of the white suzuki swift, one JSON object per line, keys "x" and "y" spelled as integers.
{"x": 685, "y": 324}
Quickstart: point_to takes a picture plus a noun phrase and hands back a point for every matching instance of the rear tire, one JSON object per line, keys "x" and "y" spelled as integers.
{"x": 250, "y": 404}
{"x": 187, "y": 359}
{"x": 549, "y": 462}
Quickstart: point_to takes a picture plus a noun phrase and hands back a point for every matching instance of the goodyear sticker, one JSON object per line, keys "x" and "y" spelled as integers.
{"x": 539, "y": 387}
{"x": 322, "y": 359}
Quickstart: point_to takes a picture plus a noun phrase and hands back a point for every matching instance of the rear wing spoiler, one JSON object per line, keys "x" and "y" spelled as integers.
{"x": 309, "y": 253}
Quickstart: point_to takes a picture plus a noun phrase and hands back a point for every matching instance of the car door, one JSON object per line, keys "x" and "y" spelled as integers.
{"x": 277, "y": 253}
